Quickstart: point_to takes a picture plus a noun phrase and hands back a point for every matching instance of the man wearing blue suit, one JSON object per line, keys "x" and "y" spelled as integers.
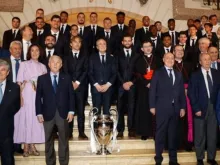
{"x": 102, "y": 75}
{"x": 202, "y": 92}
{"x": 54, "y": 106}
{"x": 167, "y": 102}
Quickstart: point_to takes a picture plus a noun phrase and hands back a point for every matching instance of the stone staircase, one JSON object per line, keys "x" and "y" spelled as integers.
{"x": 132, "y": 152}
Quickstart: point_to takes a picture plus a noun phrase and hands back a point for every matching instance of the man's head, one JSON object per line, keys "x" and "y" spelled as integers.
{"x": 50, "y": 41}
{"x": 64, "y": 17}
{"x": 40, "y": 13}
{"x": 4, "y": 70}
{"x": 213, "y": 19}
{"x": 93, "y": 18}
{"x": 167, "y": 41}
{"x": 107, "y": 23}
{"x": 204, "y": 44}
{"x": 101, "y": 45}
{"x": 16, "y": 22}
{"x": 55, "y": 22}
{"x": 182, "y": 37}
{"x": 204, "y": 19}
{"x": 213, "y": 52}
{"x": 158, "y": 24}
{"x": 197, "y": 23}
{"x": 153, "y": 30}
{"x": 15, "y": 49}
{"x": 147, "y": 47}
{"x": 190, "y": 22}
{"x": 76, "y": 43}
{"x": 178, "y": 52}
{"x": 171, "y": 24}
{"x": 208, "y": 27}
{"x": 127, "y": 41}
{"x": 192, "y": 30}
{"x": 205, "y": 60}
{"x": 81, "y": 18}
{"x": 132, "y": 24}
{"x": 39, "y": 22}
{"x": 55, "y": 63}
{"x": 168, "y": 60}
{"x": 26, "y": 33}
{"x": 120, "y": 17}
{"x": 74, "y": 30}
{"x": 146, "y": 21}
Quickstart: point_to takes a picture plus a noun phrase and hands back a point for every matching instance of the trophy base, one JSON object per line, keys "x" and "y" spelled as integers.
{"x": 103, "y": 151}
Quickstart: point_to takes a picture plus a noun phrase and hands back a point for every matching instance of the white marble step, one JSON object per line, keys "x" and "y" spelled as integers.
{"x": 125, "y": 157}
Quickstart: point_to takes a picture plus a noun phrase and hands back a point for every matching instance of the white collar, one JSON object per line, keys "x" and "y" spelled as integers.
{"x": 50, "y": 49}
{"x": 13, "y": 58}
{"x": 54, "y": 33}
{"x": 149, "y": 55}
{"x": 75, "y": 51}
{"x": 204, "y": 71}
{"x": 4, "y": 82}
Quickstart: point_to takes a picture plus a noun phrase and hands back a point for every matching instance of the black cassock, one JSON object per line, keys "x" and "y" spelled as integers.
{"x": 143, "y": 117}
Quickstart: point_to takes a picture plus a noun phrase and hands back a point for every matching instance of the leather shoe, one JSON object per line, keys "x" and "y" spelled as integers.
{"x": 200, "y": 162}
{"x": 120, "y": 135}
{"x": 82, "y": 136}
{"x": 173, "y": 163}
{"x": 144, "y": 137}
{"x": 212, "y": 162}
{"x": 131, "y": 134}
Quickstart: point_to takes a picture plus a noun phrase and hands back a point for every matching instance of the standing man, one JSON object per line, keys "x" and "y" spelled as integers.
{"x": 9, "y": 105}
{"x": 102, "y": 74}
{"x": 167, "y": 108}
{"x": 202, "y": 91}
{"x": 12, "y": 34}
{"x": 55, "y": 106}
{"x": 39, "y": 31}
{"x": 64, "y": 27}
{"x": 158, "y": 24}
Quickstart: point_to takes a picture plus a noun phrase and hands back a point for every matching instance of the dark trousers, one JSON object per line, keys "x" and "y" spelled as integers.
{"x": 63, "y": 149}
{"x": 102, "y": 99}
{"x": 7, "y": 154}
{"x": 206, "y": 128}
{"x": 126, "y": 100}
{"x": 79, "y": 109}
{"x": 166, "y": 126}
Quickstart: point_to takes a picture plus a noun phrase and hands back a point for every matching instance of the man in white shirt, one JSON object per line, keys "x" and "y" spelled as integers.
{"x": 213, "y": 19}
{"x": 27, "y": 35}
{"x": 64, "y": 27}
{"x": 213, "y": 52}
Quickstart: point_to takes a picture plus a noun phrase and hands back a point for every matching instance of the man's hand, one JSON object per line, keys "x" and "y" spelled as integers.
{"x": 40, "y": 118}
{"x": 70, "y": 117}
{"x": 182, "y": 112}
{"x": 153, "y": 111}
{"x": 126, "y": 86}
{"x": 148, "y": 85}
{"x": 98, "y": 88}
{"x": 75, "y": 85}
{"x": 105, "y": 87}
{"x": 199, "y": 113}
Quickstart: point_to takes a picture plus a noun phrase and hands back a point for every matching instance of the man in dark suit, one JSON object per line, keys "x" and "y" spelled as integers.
{"x": 157, "y": 43}
{"x": 4, "y": 53}
{"x": 9, "y": 105}
{"x": 55, "y": 106}
{"x": 120, "y": 29}
{"x": 190, "y": 22}
{"x": 202, "y": 91}
{"x": 76, "y": 65}
{"x": 173, "y": 34}
{"x": 39, "y": 13}
{"x": 213, "y": 52}
{"x": 166, "y": 48}
{"x": 159, "y": 26}
{"x": 94, "y": 29}
{"x": 64, "y": 27}
{"x": 143, "y": 34}
{"x": 126, "y": 59}
{"x": 12, "y": 34}
{"x": 167, "y": 101}
{"x": 210, "y": 35}
{"x": 102, "y": 75}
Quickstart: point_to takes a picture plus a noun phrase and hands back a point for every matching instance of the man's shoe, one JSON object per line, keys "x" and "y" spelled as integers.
{"x": 200, "y": 162}
{"x": 82, "y": 136}
{"x": 120, "y": 135}
{"x": 173, "y": 163}
{"x": 19, "y": 151}
{"x": 212, "y": 162}
{"x": 144, "y": 137}
{"x": 131, "y": 134}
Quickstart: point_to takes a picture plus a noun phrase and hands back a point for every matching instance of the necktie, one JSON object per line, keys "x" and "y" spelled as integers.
{"x": 121, "y": 28}
{"x": 93, "y": 30}
{"x": 14, "y": 34}
{"x": 209, "y": 82}
{"x": 39, "y": 33}
{"x": 171, "y": 76}
{"x": 173, "y": 38}
{"x": 62, "y": 29}
{"x": 55, "y": 35}
{"x": 49, "y": 54}
{"x": 107, "y": 35}
{"x": 168, "y": 50}
{"x": 16, "y": 66}
{"x": 128, "y": 55}
{"x": 80, "y": 32}
{"x": 103, "y": 59}
{"x": 193, "y": 42}
{"x": 154, "y": 42}
{"x": 55, "y": 83}
{"x": 1, "y": 93}
{"x": 75, "y": 55}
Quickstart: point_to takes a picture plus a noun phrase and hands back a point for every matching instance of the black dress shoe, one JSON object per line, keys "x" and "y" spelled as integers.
{"x": 120, "y": 135}
{"x": 200, "y": 162}
{"x": 212, "y": 162}
{"x": 173, "y": 163}
{"x": 82, "y": 136}
{"x": 131, "y": 134}
{"x": 144, "y": 137}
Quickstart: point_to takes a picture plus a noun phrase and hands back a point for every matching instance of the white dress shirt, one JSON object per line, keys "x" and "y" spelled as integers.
{"x": 3, "y": 87}
{"x": 57, "y": 34}
{"x": 129, "y": 51}
{"x": 169, "y": 48}
{"x": 215, "y": 28}
{"x": 109, "y": 32}
{"x": 95, "y": 26}
{"x": 121, "y": 26}
{"x": 146, "y": 28}
{"x": 64, "y": 27}
{"x": 26, "y": 45}
{"x": 41, "y": 31}
{"x": 82, "y": 27}
{"x": 191, "y": 40}
{"x": 174, "y": 34}
{"x": 172, "y": 72}
{"x": 16, "y": 31}
{"x": 204, "y": 72}
{"x": 13, "y": 66}
{"x": 51, "y": 52}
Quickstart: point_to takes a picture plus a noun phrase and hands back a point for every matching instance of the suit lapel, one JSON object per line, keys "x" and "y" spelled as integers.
{"x": 49, "y": 82}
{"x": 7, "y": 92}
{"x": 202, "y": 80}
{"x": 60, "y": 82}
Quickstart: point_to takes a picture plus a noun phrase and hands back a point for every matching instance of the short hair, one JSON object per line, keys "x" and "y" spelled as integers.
{"x": 64, "y": 12}
{"x": 120, "y": 13}
{"x": 93, "y": 13}
{"x": 192, "y": 26}
{"x": 164, "y": 36}
{"x": 40, "y": 51}
{"x": 39, "y": 18}
{"x": 211, "y": 16}
{"x": 17, "y": 18}
{"x": 100, "y": 40}
{"x": 107, "y": 19}
{"x": 73, "y": 25}
{"x": 213, "y": 47}
{"x": 208, "y": 24}
{"x": 55, "y": 17}
{"x": 204, "y": 39}
{"x": 182, "y": 33}
{"x": 15, "y": 42}
{"x": 80, "y": 13}
{"x": 126, "y": 35}
{"x": 202, "y": 54}
{"x": 171, "y": 20}
{"x": 75, "y": 37}
{"x": 204, "y": 16}
{"x": 146, "y": 41}
{"x": 5, "y": 63}
{"x": 151, "y": 26}
{"x": 40, "y": 9}
{"x": 177, "y": 46}
{"x": 50, "y": 35}
{"x": 157, "y": 22}
{"x": 23, "y": 29}
{"x": 197, "y": 21}
{"x": 56, "y": 56}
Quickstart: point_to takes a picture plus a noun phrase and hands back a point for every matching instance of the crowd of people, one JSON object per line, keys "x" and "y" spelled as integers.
{"x": 166, "y": 82}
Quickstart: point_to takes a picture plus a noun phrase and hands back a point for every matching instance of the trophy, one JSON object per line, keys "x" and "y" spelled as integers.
{"x": 103, "y": 130}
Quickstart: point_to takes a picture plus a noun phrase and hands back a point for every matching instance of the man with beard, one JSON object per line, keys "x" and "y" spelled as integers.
{"x": 39, "y": 32}
{"x": 126, "y": 89}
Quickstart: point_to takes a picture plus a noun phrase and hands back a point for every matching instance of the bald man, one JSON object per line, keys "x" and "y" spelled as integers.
{"x": 167, "y": 102}
{"x": 55, "y": 106}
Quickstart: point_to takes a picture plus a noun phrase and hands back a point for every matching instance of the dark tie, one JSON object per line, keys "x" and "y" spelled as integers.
{"x": 55, "y": 83}
{"x": 128, "y": 55}
{"x": 121, "y": 28}
{"x": 17, "y": 64}
{"x": 75, "y": 55}
{"x": 81, "y": 32}
{"x": 62, "y": 29}
{"x": 103, "y": 59}
{"x": 168, "y": 50}
{"x": 173, "y": 38}
{"x": 55, "y": 35}
{"x": 93, "y": 30}
{"x": 154, "y": 42}
{"x": 1, "y": 93}
{"x": 39, "y": 33}
{"x": 171, "y": 76}
{"x": 107, "y": 35}
{"x": 49, "y": 54}
{"x": 209, "y": 82}
{"x": 193, "y": 42}
{"x": 14, "y": 34}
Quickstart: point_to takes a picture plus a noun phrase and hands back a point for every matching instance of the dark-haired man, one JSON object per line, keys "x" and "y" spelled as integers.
{"x": 64, "y": 27}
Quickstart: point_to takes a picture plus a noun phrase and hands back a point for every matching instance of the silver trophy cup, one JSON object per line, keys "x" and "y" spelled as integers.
{"x": 103, "y": 127}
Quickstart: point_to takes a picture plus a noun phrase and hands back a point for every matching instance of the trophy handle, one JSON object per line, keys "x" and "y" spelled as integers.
{"x": 92, "y": 114}
{"x": 113, "y": 113}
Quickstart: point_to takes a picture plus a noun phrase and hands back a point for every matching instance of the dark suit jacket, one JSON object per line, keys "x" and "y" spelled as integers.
{"x": 34, "y": 27}
{"x": 8, "y": 38}
{"x": 77, "y": 68}
{"x": 44, "y": 60}
{"x": 162, "y": 51}
{"x": 67, "y": 31}
{"x": 102, "y": 74}
{"x": 163, "y": 93}
{"x": 141, "y": 36}
{"x": 8, "y": 108}
{"x": 218, "y": 107}
{"x": 159, "y": 46}
{"x": 197, "y": 91}
{"x": 176, "y": 37}
{"x": 47, "y": 101}
{"x": 4, "y": 53}
{"x": 214, "y": 39}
